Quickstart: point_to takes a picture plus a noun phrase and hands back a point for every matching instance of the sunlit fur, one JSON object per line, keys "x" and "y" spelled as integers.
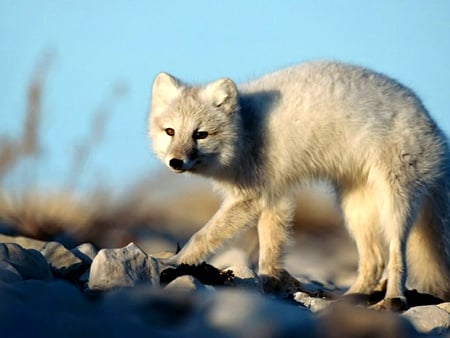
{"x": 364, "y": 133}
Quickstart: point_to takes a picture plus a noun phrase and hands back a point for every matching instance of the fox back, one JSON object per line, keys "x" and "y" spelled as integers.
{"x": 319, "y": 120}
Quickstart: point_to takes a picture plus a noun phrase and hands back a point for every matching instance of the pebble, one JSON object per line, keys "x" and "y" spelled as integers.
{"x": 28, "y": 262}
{"x": 245, "y": 278}
{"x": 61, "y": 260}
{"x": 86, "y": 252}
{"x": 429, "y": 318}
{"x": 185, "y": 284}
{"x": 315, "y": 304}
{"x": 8, "y": 273}
{"x": 131, "y": 277}
{"x": 239, "y": 313}
{"x": 123, "y": 267}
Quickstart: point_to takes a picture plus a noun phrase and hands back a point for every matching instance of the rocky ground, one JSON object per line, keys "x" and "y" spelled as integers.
{"x": 47, "y": 290}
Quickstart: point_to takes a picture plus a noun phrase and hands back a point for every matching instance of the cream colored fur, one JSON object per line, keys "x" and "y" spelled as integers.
{"x": 364, "y": 133}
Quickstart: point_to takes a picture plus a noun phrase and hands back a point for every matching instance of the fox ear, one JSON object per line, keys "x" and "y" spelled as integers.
{"x": 222, "y": 94}
{"x": 165, "y": 88}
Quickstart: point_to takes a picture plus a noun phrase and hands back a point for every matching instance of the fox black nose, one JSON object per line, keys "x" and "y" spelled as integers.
{"x": 176, "y": 164}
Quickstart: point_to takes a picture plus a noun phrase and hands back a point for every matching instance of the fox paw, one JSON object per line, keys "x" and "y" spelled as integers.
{"x": 284, "y": 285}
{"x": 395, "y": 304}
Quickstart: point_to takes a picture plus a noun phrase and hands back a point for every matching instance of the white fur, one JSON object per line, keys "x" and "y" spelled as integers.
{"x": 365, "y": 133}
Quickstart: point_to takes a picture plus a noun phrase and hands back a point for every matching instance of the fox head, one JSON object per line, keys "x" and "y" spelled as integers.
{"x": 194, "y": 128}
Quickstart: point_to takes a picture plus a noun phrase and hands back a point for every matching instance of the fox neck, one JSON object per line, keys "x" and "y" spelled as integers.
{"x": 244, "y": 168}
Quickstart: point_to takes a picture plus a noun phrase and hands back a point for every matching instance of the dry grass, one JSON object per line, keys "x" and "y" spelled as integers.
{"x": 26, "y": 145}
{"x": 39, "y": 213}
{"x": 164, "y": 203}
{"x": 43, "y": 215}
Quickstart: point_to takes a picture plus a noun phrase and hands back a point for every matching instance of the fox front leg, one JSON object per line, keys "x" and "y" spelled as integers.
{"x": 273, "y": 228}
{"x": 232, "y": 217}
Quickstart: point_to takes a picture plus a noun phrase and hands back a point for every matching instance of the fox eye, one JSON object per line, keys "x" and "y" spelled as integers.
{"x": 170, "y": 131}
{"x": 198, "y": 135}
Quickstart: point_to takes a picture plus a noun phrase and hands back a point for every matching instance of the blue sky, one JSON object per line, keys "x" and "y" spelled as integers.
{"x": 97, "y": 44}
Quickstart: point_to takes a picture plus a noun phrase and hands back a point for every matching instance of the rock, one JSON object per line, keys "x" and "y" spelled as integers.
{"x": 322, "y": 287}
{"x": 315, "y": 304}
{"x": 28, "y": 262}
{"x": 61, "y": 260}
{"x": 239, "y": 313}
{"x": 55, "y": 295}
{"x": 8, "y": 274}
{"x": 32, "y": 301}
{"x": 35, "y": 308}
{"x": 429, "y": 318}
{"x": 157, "y": 308}
{"x": 245, "y": 278}
{"x": 127, "y": 266}
{"x": 341, "y": 319}
{"x": 242, "y": 272}
{"x": 24, "y": 242}
{"x": 185, "y": 283}
{"x": 86, "y": 252}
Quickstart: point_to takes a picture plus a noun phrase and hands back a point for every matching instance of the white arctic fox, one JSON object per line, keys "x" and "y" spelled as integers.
{"x": 363, "y": 132}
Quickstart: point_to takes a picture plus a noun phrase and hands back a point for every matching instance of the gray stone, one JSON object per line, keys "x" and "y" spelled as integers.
{"x": 28, "y": 262}
{"x": 429, "y": 318}
{"x": 315, "y": 304}
{"x": 342, "y": 319}
{"x": 9, "y": 274}
{"x": 54, "y": 296}
{"x": 24, "y": 242}
{"x": 61, "y": 260}
{"x": 245, "y": 278}
{"x": 185, "y": 284}
{"x": 240, "y": 313}
{"x": 242, "y": 271}
{"x": 127, "y": 266}
{"x": 157, "y": 308}
{"x": 86, "y": 252}
{"x": 58, "y": 309}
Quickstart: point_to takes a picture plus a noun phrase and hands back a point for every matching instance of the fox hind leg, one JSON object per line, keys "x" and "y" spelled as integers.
{"x": 397, "y": 224}
{"x": 398, "y": 209}
{"x": 378, "y": 216}
{"x": 428, "y": 250}
{"x": 361, "y": 215}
